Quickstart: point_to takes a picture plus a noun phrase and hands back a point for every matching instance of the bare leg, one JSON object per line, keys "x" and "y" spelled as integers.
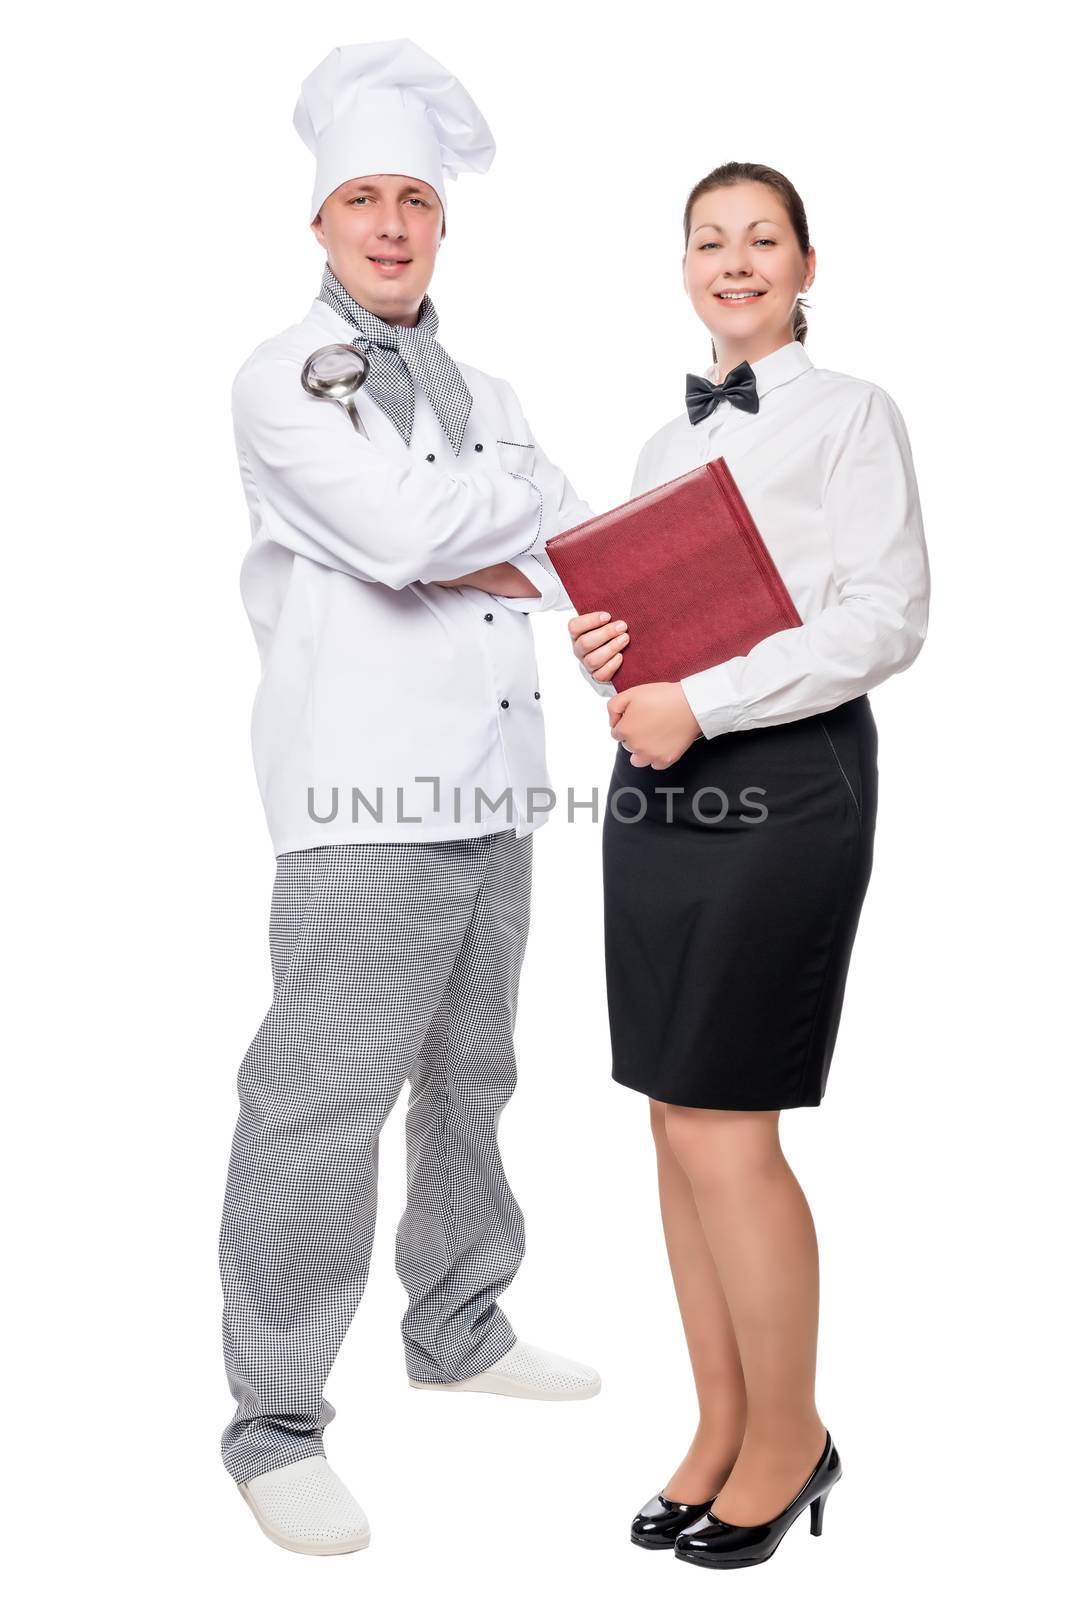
{"x": 760, "y": 1232}
{"x": 717, "y": 1368}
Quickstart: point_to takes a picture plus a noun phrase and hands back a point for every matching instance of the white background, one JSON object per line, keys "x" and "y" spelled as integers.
{"x": 157, "y": 230}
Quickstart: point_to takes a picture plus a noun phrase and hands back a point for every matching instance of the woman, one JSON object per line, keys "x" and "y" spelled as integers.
{"x": 738, "y": 844}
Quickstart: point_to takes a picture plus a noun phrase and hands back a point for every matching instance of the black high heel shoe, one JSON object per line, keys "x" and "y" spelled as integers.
{"x": 660, "y": 1521}
{"x": 713, "y": 1543}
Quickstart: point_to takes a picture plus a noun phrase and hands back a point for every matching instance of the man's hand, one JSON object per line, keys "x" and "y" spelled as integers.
{"x": 598, "y": 642}
{"x": 502, "y": 579}
{"x": 654, "y": 722}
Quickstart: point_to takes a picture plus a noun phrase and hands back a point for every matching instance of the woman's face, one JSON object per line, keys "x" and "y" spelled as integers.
{"x": 381, "y": 236}
{"x": 741, "y": 243}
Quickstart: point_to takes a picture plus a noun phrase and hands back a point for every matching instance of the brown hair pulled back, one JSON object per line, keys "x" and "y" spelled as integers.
{"x": 733, "y": 172}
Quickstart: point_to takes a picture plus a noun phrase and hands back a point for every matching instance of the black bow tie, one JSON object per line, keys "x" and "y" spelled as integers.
{"x": 739, "y": 387}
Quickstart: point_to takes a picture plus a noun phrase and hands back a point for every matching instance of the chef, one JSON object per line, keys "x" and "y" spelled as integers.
{"x": 399, "y": 748}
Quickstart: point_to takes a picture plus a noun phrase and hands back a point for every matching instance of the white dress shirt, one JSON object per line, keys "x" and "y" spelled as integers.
{"x": 373, "y": 678}
{"x": 826, "y": 470}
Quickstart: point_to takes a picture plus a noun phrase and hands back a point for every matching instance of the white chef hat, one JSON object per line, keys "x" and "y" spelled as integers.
{"x": 388, "y": 107}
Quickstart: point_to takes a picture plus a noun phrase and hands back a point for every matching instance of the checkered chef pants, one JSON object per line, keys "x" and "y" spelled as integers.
{"x": 390, "y": 962}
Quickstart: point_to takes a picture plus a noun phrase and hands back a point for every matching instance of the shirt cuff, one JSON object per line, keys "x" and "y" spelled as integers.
{"x": 539, "y": 572}
{"x": 607, "y": 689}
{"x": 711, "y": 699}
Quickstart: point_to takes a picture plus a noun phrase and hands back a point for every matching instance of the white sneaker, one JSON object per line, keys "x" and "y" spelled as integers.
{"x": 305, "y": 1507}
{"x": 529, "y": 1373}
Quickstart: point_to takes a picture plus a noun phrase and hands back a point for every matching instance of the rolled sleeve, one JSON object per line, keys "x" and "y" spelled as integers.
{"x": 561, "y": 508}
{"x": 537, "y": 569}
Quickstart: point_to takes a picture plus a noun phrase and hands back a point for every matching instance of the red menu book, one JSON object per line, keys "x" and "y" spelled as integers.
{"x": 685, "y": 566}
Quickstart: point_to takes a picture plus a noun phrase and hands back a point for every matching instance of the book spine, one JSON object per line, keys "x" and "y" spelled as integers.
{"x": 758, "y": 550}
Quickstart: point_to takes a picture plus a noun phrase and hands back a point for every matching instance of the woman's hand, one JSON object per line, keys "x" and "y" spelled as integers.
{"x": 599, "y": 643}
{"x": 502, "y": 579}
{"x": 654, "y": 722}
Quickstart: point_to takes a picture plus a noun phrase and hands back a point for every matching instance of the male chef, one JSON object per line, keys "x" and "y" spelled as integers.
{"x": 399, "y": 749}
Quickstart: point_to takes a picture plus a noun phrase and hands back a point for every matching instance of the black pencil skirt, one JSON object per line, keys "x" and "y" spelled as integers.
{"x": 730, "y": 909}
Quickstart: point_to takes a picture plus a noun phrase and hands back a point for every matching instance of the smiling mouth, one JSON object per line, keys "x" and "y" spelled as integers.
{"x": 740, "y": 294}
{"x": 391, "y": 261}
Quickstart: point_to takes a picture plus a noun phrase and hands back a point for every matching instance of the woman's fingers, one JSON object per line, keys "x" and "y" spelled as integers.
{"x": 608, "y": 671}
{"x": 607, "y": 653}
{"x": 592, "y": 629}
{"x": 589, "y": 619}
{"x": 588, "y": 640}
{"x": 598, "y": 641}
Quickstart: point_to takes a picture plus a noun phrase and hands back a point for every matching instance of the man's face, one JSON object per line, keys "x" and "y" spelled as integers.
{"x": 382, "y": 235}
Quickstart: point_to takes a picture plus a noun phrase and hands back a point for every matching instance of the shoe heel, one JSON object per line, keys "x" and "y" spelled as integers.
{"x": 815, "y": 1515}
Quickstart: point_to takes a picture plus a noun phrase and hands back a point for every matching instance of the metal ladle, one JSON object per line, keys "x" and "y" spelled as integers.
{"x": 335, "y": 372}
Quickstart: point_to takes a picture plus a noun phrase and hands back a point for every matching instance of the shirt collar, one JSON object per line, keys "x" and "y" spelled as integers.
{"x": 783, "y": 364}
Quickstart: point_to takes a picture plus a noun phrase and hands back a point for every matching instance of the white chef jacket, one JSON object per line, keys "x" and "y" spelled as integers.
{"x": 826, "y": 470}
{"x": 390, "y": 709}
